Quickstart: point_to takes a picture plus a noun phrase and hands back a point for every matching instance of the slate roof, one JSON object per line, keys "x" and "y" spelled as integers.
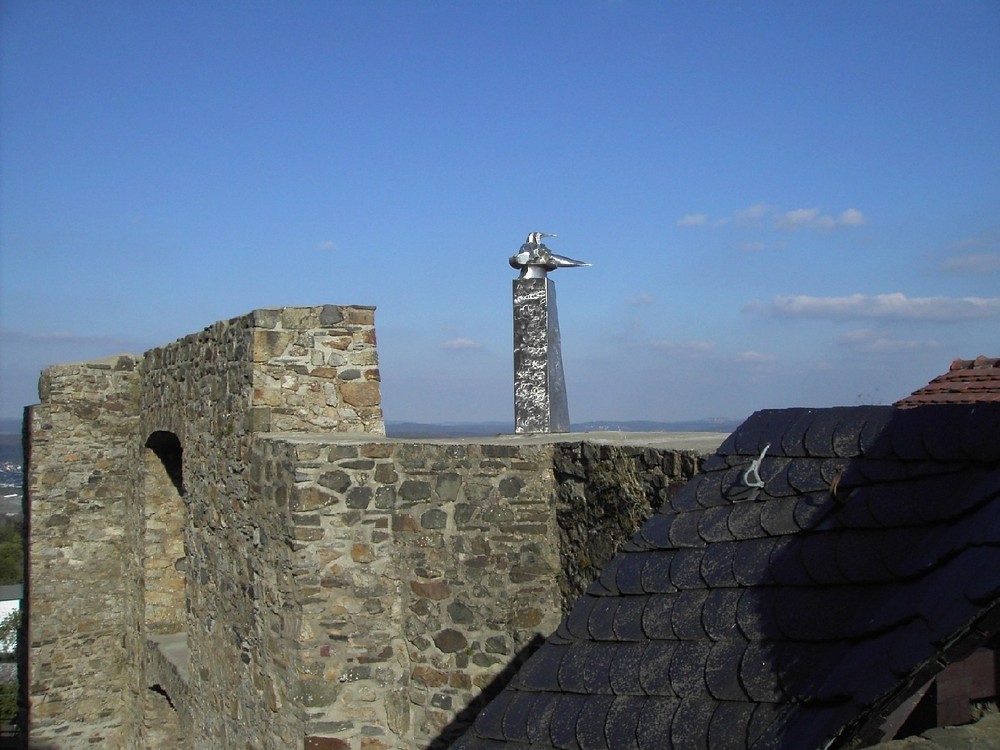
{"x": 796, "y": 615}
{"x": 967, "y": 381}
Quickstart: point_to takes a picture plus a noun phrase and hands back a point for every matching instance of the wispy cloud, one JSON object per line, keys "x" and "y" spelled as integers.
{"x": 804, "y": 218}
{"x": 640, "y": 300}
{"x": 986, "y": 239}
{"x": 896, "y": 306}
{"x": 870, "y": 341}
{"x": 692, "y": 220}
{"x": 764, "y": 214}
{"x": 461, "y": 343}
{"x": 326, "y": 245}
{"x": 851, "y": 217}
{"x": 755, "y": 358}
{"x": 682, "y": 348}
{"x": 975, "y": 263}
{"x": 752, "y": 215}
{"x": 812, "y": 218}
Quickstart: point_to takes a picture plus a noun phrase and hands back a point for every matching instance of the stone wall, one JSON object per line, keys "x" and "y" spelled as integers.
{"x": 424, "y": 569}
{"x": 83, "y": 677}
{"x": 225, "y": 550}
{"x": 290, "y": 369}
{"x": 604, "y": 493}
{"x": 421, "y": 568}
{"x": 127, "y": 543}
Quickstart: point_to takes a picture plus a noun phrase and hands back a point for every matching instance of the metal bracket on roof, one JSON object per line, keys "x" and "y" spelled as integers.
{"x": 751, "y": 477}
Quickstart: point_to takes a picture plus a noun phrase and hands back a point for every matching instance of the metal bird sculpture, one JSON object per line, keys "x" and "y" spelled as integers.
{"x": 535, "y": 260}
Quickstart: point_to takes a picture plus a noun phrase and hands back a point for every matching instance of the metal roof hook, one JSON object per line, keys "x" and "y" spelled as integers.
{"x": 751, "y": 477}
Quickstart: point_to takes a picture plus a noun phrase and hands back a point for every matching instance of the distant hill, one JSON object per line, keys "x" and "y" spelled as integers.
{"x": 715, "y": 424}
{"x": 10, "y": 448}
{"x": 481, "y": 429}
{"x": 454, "y": 429}
{"x": 10, "y": 429}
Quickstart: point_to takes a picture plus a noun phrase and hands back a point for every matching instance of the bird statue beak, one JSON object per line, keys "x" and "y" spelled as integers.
{"x": 546, "y": 234}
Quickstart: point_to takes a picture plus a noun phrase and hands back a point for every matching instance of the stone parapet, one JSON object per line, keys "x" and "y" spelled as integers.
{"x": 285, "y": 369}
{"x": 140, "y": 524}
{"x": 424, "y": 571}
{"x": 225, "y": 551}
{"x": 83, "y": 671}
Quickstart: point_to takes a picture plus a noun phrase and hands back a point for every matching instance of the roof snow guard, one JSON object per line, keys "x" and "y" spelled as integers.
{"x": 967, "y": 381}
{"x": 795, "y": 615}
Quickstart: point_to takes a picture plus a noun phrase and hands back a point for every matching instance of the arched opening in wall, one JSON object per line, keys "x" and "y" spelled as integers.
{"x": 163, "y": 562}
{"x": 161, "y": 724}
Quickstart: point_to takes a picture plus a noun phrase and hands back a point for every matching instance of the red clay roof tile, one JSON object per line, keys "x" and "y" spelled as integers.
{"x": 968, "y": 381}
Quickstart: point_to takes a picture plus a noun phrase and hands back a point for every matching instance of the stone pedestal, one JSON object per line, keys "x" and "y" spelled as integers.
{"x": 539, "y": 386}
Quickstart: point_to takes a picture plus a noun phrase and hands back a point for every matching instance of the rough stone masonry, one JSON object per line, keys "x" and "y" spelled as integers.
{"x": 226, "y": 551}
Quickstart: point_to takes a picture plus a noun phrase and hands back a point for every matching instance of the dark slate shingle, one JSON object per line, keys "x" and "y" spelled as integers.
{"x": 789, "y": 616}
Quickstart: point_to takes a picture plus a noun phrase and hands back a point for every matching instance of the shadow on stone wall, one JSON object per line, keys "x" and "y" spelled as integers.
{"x": 463, "y": 720}
{"x": 604, "y": 494}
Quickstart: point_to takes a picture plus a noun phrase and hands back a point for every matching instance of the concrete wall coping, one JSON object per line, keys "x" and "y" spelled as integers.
{"x": 700, "y": 442}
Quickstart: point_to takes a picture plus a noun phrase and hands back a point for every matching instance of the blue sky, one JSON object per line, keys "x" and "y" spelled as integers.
{"x": 785, "y": 203}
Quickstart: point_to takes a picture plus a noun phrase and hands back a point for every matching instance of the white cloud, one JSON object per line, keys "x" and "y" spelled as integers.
{"x": 640, "y": 300}
{"x": 692, "y": 220}
{"x": 682, "y": 348}
{"x": 797, "y": 218}
{"x": 896, "y": 306}
{"x": 851, "y": 217}
{"x": 975, "y": 263}
{"x": 327, "y": 245}
{"x": 804, "y": 218}
{"x": 982, "y": 240}
{"x": 461, "y": 343}
{"x": 867, "y": 340}
{"x": 753, "y": 214}
{"x": 800, "y": 218}
{"x": 755, "y": 358}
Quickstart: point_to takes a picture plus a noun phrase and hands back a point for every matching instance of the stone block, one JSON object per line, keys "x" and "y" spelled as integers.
{"x": 359, "y": 498}
{"x": 385, "y": 473}
{"x": 435, "y": 590}
{"x": 434, "y": 518}
{"x": 268, "y": 345}
{"x": 331, "y": 315}
{"x": 266, "y": 318}
{"x": 385, "y": 499}
{"x": 308, "y": 533}
{"x": 428, "y": 676}
{"x": 511, "y": 486}
{"x": 414, "y": 491}
{"x": 450, "y": 640}
{"x": 378, "y": 450}
{"x": 337, "y": 481}
{"x": 360, "y": 393}
{"x": 360, "y": 316}
{"x": 327, "y": 743}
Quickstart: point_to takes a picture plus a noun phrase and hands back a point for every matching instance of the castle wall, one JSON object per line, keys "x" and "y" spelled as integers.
{"x": 83, "y": 671}
{"x": 225, "y": 550}
{"x": 287, "y": 369}
{"x": 604, "y": 492}
{"x": 215, "y": 589}
{"x": 423, "y": 570}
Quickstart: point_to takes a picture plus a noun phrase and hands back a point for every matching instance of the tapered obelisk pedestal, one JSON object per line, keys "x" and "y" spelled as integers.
{"x": 539, "y": 386}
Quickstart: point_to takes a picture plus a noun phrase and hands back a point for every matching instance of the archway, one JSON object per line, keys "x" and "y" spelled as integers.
{"x": 163, "y": 559}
